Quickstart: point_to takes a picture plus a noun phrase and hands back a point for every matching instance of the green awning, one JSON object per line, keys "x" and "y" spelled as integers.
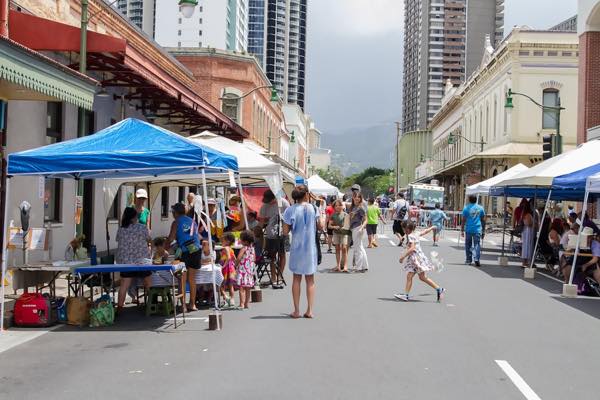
{"x": 32, "y": 70}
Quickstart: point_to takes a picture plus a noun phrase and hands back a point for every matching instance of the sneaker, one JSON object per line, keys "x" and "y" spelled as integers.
{"x": 435, "y": 244}
{"x": 477, "y": 264}
{"x": 403, "y": 297}
{"x": 468, "y": 262}
{"x": 440, "y": 293}
{"x": 400, "y": 244}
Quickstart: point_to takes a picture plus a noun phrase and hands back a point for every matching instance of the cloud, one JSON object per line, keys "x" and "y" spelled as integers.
{"x": 358, "y": 17}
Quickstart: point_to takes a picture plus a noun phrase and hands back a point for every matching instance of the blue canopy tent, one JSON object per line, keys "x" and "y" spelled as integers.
{"x": 129, "y": 149}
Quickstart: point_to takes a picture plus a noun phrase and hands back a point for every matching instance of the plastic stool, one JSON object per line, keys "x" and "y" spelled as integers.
{"x": 163, "y": 307}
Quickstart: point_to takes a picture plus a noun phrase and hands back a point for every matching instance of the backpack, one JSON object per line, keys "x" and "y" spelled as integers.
{"x": 400, "y": 212}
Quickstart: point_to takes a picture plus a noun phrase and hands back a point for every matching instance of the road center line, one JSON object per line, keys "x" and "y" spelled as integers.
{"x": 517, "y": 380}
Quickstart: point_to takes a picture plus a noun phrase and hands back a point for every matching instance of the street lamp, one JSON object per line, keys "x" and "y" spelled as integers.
{"x": 187, "y": 7}
{"x": 557, "y": 109}
{"x": 453, "y": 139}
{"x": 274, "y": 94}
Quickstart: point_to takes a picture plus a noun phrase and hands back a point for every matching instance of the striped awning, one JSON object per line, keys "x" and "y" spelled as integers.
{"x": 34, "y": 71}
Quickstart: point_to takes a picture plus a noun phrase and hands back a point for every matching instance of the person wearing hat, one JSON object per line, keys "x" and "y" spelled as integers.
{"x": 141, "y": 197}
{"x": 185, "y": 231}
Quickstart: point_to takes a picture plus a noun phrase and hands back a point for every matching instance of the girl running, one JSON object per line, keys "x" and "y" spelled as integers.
{"x": 417, "y": 262}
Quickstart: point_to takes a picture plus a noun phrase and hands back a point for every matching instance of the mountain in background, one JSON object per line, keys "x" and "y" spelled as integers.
{"x": 355, "y": 149}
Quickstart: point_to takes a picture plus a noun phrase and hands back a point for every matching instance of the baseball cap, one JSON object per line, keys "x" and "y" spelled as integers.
{"x": 141, "y": 194}
{"x": 355, "y": 187}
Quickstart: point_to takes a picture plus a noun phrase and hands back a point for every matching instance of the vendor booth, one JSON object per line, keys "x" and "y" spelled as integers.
{"x": 563, "y": 177}
{"x": 130, "y": 150}
{"x": 484, "y": 188}
{"x": 321, "y": 187}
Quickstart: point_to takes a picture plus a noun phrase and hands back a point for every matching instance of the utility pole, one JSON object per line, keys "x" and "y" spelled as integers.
{"x": 82, "y": 69}
{"x": 397, "y": 168}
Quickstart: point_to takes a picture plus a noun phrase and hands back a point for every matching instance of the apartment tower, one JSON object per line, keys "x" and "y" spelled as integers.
{"x": 444, "y": 39}
{"x": 140, "y": 13}
{"x": 277, "y": 38}
{"x": 220, "y": 24}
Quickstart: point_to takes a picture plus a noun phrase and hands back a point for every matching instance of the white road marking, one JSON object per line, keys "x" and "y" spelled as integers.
{"x": 517, "y": 380}
{"x": 383, "y": 236}
{"x": 392, "y": 243}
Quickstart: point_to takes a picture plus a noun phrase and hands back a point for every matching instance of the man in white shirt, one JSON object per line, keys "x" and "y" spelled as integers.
{"x": 399, "y": 215}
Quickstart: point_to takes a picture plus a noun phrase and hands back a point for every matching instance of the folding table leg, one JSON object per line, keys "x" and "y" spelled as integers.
{"x": 174, "y": 299}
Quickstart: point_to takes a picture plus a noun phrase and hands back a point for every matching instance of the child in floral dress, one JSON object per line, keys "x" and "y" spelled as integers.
{"x": 245, "y": 267}
{"x": 417, "y": 262}
{"x": 228, "y": 269}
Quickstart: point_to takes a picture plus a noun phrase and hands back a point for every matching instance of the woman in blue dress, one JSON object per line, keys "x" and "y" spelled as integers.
{"x": 302, "y": 220}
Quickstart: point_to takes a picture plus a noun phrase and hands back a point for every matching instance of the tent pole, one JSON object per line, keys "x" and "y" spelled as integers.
{"x": 541, "y": 222}
{"x": 210, "y": 246}
{"x": 583, "y": 212}
{"x": 244, "y": 209}
{"x": 4, "y": 250}
{"x": 504, "y": 224}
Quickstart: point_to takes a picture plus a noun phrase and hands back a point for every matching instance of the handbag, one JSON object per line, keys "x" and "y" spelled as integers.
{"x": 317, "y": 241}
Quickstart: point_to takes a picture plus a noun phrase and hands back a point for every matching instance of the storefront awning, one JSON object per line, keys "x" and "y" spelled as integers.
{"x": 28, "y": 75}
{"x": 160, "y": 93}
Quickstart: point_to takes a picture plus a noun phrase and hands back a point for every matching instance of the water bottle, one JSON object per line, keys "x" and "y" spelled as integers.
{"x": 93, "y": 255}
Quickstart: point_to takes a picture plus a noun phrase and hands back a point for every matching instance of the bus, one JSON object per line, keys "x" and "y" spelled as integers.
{"x": 429, "y": 194}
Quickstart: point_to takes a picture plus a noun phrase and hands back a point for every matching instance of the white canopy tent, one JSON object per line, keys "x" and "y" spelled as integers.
{"x": 253, "y": 168}
{"x": 545, "y": 173}
{"x": 319, "y": 186}
{"x": 483, "y": 188}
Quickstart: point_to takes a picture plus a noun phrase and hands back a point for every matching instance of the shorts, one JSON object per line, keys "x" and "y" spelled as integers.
{"x": 372, "y": 229}
{"x": 274, "y": 246}
{"x": 340, "y": 239}
{"x": 330, "y": 232}
{"x": 397, "y": 228}
{"x": 193, "y": 260}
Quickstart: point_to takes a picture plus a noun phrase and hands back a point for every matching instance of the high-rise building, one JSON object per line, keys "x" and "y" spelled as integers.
{"x": 221, "y": 24}
{"x": 444, "y": 39}
{"x": 141, "y": 13}
{"x": 277, "y": 37}
{"x": 568, "y": 25}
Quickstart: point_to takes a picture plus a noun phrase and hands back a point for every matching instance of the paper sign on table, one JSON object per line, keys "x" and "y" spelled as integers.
{"x": 38, "y": 239}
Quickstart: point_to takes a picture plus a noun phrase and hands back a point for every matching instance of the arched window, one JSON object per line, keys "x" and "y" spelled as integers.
{"x": 549, "y": 117}
{"x": 231, "y": 104}
{"x": 495, "y": 120}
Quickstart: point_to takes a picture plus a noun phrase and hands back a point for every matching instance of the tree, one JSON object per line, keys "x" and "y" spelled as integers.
{"x": 332, "y": 175}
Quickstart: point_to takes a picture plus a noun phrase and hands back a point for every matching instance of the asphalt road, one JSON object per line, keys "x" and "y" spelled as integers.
{"x": 362, "y": 344}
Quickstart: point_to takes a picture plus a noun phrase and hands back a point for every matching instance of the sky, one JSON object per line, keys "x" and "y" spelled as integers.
{"x": 354, "y": 57}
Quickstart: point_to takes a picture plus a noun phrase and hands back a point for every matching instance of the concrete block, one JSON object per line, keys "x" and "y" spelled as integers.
{"x": 569, "y": 291}
{"x": 503, "y": 261}
{"x": 529, "y": 273}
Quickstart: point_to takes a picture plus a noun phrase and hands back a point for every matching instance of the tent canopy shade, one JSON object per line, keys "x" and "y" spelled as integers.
{"x": 483, "y": 188}
{"x": 130, "y": 148}
{"x": 253, "y": 168}
{"x": 564, "y": 174}
{"x": 318, "y": 185}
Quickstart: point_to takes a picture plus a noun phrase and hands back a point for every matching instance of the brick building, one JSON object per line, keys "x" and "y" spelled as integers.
{"x": 229, "y": 82}
{"x": 588, "y": 29}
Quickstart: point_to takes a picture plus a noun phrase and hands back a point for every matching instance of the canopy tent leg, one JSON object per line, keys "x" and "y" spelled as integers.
{"x": 537, "y": 240}
{"x": 210, "y": 246}
{"x": 4, "y": 252}
{"x": 503, "y": 260}
{"x": 583, "y": 212}
{"x": 244, "y": 209}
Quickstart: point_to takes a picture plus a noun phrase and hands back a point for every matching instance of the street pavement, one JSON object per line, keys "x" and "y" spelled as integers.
{"x": 494, "y": 336}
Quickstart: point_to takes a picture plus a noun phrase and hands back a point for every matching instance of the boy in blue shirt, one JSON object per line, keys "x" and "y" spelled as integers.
{"x": 473, "y": 219}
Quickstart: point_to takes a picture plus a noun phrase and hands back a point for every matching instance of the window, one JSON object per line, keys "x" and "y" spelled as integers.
{"x": 199, "y": 33}
{"x": 549, "y": 118}
{"x": 53, "y": 187}
{"x": 179, "y": 21}
{"x": 179, "y": 32}
{"x": 231, "y": 106}
{"x": 200, "y": 21}
{"x": 164, "y": 202}
{"x": 181, "y": 194}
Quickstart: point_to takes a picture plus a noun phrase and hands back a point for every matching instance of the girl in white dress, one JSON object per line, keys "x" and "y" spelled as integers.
{"x": 417, "y": 262}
